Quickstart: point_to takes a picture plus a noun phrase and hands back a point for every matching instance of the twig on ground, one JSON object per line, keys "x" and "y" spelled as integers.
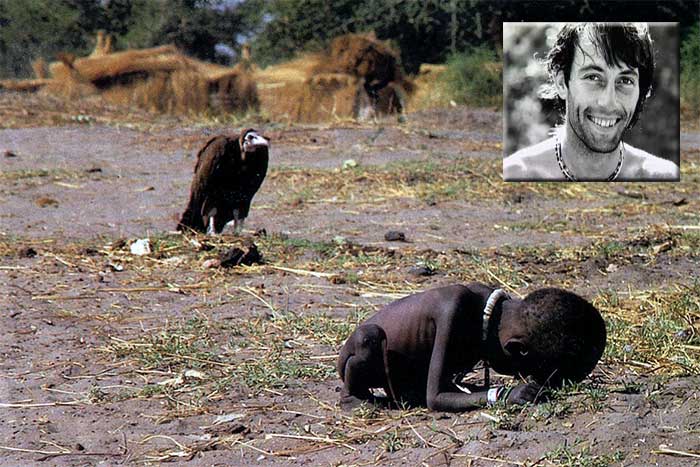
{"x": 663, "y": 449}
{"x": 310, "y": 438}
{"x": 32, "y": 451}
{"x": 302, "y": 272}
{"x": 13, "y": 405}
{"x": 250, "y": 291}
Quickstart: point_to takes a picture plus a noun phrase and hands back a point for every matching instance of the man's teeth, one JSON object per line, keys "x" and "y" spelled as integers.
{"x": 604, "y": 122}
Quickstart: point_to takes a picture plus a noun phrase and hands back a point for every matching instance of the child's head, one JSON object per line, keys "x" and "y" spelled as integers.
{"x": 564, "y": 337}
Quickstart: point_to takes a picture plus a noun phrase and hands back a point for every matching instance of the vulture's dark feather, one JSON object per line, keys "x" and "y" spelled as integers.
{"x": 227, "y": 174}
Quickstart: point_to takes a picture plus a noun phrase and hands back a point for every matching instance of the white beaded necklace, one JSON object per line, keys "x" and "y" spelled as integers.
{"x": 567, "y": 173}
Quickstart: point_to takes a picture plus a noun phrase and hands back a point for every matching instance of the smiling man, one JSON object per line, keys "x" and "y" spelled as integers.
{"x": 602, "y": 74}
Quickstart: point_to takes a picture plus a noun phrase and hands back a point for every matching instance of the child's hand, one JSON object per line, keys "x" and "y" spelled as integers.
{"x": 524, "y": 393}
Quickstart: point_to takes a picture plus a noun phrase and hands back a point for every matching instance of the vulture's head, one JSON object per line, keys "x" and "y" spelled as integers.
{"x": 251, "y": 141}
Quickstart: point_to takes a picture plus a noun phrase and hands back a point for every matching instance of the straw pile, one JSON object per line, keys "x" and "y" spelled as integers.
{"x": 159, "y": 79}
{"x": 428, "y": 92}
{"x": 357, "y": 77}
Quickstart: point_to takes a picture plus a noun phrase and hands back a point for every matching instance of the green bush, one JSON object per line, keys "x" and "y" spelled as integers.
{"x": 690, "y": 73}
{"x": 475, "y": 78}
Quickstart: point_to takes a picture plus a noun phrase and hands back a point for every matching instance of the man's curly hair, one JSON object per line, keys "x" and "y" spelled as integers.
{"x": 566, "y": 336}
{"x": 618, "y": 43}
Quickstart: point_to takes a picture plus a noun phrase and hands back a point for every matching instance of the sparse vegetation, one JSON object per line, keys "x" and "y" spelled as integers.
{"x": 183, "y": 358}
{"x": 393, "y": 441}
{"x": 48, "y": 174}
{"x": 580, "y": 455}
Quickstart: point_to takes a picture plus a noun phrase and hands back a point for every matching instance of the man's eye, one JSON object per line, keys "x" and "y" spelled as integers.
{"x": 592, "y": 77}
{"x": 626, "y": 81}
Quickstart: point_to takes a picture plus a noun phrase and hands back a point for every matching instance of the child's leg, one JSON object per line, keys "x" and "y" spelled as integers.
{"x": 361, "y": 363}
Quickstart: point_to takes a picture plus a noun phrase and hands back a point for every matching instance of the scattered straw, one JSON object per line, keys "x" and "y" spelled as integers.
{"x": 250, "y": 291}
{"x": 496, "y": 460}
{"x": 310, "y": 438}
{"x": 303, "y": 272}
{"x": 14, "y": 405}
{"x": 34, "y": 451}
{"x": 663, "y": 449}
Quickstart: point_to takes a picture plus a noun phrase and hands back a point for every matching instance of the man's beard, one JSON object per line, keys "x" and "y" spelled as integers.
{"x": 595, "y": 137}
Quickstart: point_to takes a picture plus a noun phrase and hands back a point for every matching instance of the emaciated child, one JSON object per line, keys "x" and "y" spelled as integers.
{"x": 416, "y": 346}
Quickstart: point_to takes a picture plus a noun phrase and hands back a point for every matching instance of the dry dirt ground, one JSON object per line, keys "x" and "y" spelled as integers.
{"x": 108, "y": 358}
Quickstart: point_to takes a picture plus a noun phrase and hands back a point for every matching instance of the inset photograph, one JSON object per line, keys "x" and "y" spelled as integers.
{"x": 591, "y": 102}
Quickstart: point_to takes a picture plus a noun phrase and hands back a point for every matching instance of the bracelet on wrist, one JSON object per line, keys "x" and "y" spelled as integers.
{"x": 493, "y": 394}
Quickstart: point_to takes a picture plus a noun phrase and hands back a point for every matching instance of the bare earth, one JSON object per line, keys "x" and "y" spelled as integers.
{"x": 111, "y": 358}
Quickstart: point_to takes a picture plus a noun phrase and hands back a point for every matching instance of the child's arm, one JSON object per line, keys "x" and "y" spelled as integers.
{"x": 459, "y": 401}
{"x": 439, "y": 399}
{"x": 436, "y": 397}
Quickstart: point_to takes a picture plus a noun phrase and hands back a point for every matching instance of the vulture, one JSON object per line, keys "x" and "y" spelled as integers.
{"x": 227, "y": 174}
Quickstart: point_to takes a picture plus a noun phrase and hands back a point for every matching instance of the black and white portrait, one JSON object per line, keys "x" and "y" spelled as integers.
{"x": 591, "y": 102}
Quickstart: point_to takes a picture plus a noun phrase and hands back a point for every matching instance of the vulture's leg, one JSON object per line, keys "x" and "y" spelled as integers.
{"x": 210, "y": 221}
{"x": 210, "y": 228}
{"x": 237, "y": 222}
{"x": 238, "y": 226}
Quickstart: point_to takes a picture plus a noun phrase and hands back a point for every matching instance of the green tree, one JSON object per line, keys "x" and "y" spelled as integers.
{"x": 432, "y": 30}
{"x": 30, "y": 29}
{"x": 194, "y": 26}
{"x": 423, "y": 30}
{"x": 116, "y": 16}
{"x": 38, "y": 28}
{"x": 189, "y": 25}
{"x": 301, "y": 25}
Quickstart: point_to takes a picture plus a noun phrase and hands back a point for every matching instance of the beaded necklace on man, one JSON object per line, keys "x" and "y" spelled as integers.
{"x": 570, "y": 177}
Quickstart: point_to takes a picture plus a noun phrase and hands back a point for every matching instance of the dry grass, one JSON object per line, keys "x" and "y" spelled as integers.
{"x": 465, "y": 177}
{"x": 193, "y": 365}
{"x": 328, "y": 86}
{"x": 159, "y": 79}
{"x": 651, "y": 331}
{"x": 314, "y": 88}
{"x": 259, "y": 343}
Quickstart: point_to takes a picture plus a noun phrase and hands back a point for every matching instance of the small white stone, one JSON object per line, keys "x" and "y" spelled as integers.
{"x": 349, "y": 164}
{"x": 211, "y": 263}
{"x": 141, "y": 247}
